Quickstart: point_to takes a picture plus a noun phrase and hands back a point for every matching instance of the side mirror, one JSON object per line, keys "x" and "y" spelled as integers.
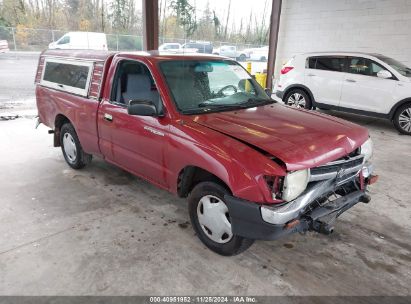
{"x": 384, "y": 74}
{"x": 268, "y": 91}
{"x": 142, "y": 108}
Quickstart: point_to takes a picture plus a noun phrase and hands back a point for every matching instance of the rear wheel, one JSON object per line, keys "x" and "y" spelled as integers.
{"x": 402, "y": 119}
{"x": 242, "y": 57}
{"x": 71, "y": 148}
{"x": 211, "y": 220}
{"x": 298, "y": 98}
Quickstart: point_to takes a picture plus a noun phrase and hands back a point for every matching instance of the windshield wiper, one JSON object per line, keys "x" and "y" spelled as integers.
{"x": 256, "y": 101}
{"x": 217, "y": 105}
{"x": 247, "y": 103}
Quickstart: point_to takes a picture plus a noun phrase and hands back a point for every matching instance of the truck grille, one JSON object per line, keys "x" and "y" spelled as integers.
{"x": 341, "y": 169}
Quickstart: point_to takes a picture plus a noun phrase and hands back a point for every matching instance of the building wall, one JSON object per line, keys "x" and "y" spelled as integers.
{"x": 377, "y": 26}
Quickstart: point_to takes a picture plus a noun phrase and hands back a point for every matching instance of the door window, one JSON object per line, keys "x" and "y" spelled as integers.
{"x": 363, "y": 66}
{"x": 327, "y": 63}
{"x": 133, "y": 81}
{"x": 64, "y": 40}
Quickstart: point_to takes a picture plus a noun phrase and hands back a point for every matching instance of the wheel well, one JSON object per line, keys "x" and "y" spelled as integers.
{"x": 306, "y": 90}
{"x": 190, "y": 176}
{"x": 396, "y": 106}
{"x": 58, "y": 123}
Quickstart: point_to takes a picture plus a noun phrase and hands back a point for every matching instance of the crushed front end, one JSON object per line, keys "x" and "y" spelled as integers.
{"x": 331, "y": 190}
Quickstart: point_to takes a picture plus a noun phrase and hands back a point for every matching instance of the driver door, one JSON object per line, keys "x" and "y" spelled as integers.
{"x": 135, "y": 143}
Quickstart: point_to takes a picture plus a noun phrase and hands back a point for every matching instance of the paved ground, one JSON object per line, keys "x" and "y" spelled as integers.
{"x": 101, "y": 231}
{"x": 17, "y": 81}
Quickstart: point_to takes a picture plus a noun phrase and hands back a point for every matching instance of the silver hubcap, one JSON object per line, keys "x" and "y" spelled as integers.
{"x": 405, "y": 120}
{"x": 296, "y": 100}
{"x": 69, "y": 147}
{"x": 212, "y": 215}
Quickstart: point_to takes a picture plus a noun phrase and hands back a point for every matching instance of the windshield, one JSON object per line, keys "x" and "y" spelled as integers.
{"x": 398, "y": 66}
{"x": 200, "y": 86}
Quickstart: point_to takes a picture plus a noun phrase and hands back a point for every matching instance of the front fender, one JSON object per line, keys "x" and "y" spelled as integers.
{"x": 238, "y": 165}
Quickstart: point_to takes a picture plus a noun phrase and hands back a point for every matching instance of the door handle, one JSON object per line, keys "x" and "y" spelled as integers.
{"x": 108, "y": 117}
{"x": 310, "y": 75}
{"x": 350, "y": 80}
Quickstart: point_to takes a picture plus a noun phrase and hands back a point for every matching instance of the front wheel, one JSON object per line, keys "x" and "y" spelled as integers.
{"x": 72, "y": 149}
{"x": 211, "y": 220}
{"x": 299, "y": 99}
{"x": 402, "y": 119}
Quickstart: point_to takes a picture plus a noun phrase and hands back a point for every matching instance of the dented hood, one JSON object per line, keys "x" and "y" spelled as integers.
{"x": 299, "y": 138}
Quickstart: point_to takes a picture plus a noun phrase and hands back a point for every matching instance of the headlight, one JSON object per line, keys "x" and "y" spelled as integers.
{"x": 366, "y": 149}
{"x": 295, "y": 183}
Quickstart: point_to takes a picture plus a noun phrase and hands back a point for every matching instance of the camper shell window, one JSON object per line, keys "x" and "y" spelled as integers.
{"x": 68, "y": 75}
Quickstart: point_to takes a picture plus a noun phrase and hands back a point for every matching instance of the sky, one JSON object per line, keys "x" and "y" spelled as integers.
{"x": 239, "y": 8}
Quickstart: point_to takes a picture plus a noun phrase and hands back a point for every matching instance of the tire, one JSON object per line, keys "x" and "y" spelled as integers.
{"x": 71, "y": 148}
{"x": 402, "y": 119}
{"x": 207, "y": 194}
{"x": 292, "y": 99}
{"x": 242, "y": 57}
{"x": 263, "y": 58}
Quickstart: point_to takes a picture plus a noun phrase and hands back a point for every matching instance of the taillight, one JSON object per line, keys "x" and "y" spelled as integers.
{"x": 39, "y": 70}
{"x": 286, "y": 69}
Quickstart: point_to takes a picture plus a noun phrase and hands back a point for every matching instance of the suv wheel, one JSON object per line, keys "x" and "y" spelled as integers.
{"x": 402, "y": 119}
{"x": 242, "y": 57}
{"x": 298, "y": 98}
{"x": 211, "y": 220}
{"x": 71, "y": 147}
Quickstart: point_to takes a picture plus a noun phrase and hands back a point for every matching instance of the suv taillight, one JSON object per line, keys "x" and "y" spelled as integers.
{"x": 286, "y": 69}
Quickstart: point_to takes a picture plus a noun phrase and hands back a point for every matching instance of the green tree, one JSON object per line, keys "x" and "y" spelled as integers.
{"x": 185, "y": 13}
{"x": 119, "y": 15}
{"x": 205, "y": 26}
{"x": 217, "y": 25}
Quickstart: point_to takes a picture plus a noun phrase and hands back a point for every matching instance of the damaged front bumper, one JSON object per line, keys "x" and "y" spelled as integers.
{"x": 315, "y": 210}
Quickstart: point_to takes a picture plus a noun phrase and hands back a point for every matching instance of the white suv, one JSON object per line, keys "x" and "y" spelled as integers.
{"x": 366, "y": 84}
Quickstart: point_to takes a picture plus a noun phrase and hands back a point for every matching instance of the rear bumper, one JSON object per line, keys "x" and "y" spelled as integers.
{"x": 251, "y": 220}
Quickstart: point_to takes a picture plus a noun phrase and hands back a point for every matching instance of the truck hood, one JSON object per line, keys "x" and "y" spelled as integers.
{"x": 299, "y": 138}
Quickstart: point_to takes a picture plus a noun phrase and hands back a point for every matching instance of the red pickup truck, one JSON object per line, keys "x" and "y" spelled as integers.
{"x": 201, "y": 127}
